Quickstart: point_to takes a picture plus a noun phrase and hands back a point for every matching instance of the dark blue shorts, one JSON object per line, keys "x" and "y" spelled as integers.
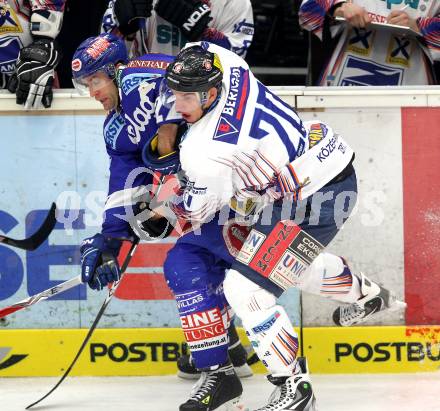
{"x": 320, "y": 216}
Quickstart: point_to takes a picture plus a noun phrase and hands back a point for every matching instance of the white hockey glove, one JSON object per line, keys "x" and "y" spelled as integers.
{"x": 286, "y": 182}
{"x": 34, "y": 74}
{"x": 190, "y": 16}
{"x": 129, "y": 11}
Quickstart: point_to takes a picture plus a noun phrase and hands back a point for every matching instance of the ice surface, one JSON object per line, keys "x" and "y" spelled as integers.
{"x": 390, "y": 392}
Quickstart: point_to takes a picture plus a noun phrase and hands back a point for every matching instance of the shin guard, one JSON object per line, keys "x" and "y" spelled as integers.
{"x": 267, "y": 324}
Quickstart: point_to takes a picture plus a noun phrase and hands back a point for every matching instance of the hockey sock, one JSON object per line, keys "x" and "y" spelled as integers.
{"x": 204, "y": 319}
{"x": 331, "y": 277}
{"x": 267, "y": 324}
{"x": 273, "y": 339}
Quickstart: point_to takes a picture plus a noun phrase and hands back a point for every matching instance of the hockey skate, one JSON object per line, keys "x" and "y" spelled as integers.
{"x": 216, "y": 390}
{"x": 292, "y": 392}
{"x": 375, "y": 298}
{"x": 237, "y": 354}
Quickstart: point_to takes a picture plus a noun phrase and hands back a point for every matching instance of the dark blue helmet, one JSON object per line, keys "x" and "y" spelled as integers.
{"x": 100, "y": 53}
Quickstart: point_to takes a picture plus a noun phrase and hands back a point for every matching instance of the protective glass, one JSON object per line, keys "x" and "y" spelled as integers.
{"x": 183, "y": 101}
{"x": 187, "y": 102}
{"x": 92, "y": 82}
{"x": 166, "y": 95}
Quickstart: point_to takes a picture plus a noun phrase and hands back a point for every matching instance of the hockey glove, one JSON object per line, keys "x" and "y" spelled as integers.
{"x": 148, "y": 228}
{"x": 129, "y": 11}
{"x": 286, "y": 182}
{"x": 34, "y": 74}
{"x": 190, "y": 16}
{"x": 99, "y": 264}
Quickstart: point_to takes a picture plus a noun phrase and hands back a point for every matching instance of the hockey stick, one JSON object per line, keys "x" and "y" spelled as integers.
{"x": 301, "y": 329}
{"x": 95, "y": 323}
{"x": 60, "y": 288}
{"x": 36, "y": 239}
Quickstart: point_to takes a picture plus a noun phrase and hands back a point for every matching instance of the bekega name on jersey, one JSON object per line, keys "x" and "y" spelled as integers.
{"x": 231, "y": 100}
{"x": 232, "y": 113}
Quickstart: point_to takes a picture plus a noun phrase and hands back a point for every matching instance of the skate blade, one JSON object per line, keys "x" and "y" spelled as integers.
{"x": 233, "y": 405}
{"x": 398, "y": 305}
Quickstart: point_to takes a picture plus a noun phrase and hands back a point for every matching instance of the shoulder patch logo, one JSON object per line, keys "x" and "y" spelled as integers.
{"x": 226, "y": 131}
{"x": 9, "y": 22}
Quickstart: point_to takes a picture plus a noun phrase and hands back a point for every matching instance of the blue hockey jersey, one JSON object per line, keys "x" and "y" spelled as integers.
{"x": 126, "y": 131}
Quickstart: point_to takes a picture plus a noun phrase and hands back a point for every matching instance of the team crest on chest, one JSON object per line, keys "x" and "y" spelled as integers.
{"x": 360, "y": 41}
{"x": 399, "y": 51}
{"x": 9, "y": 22}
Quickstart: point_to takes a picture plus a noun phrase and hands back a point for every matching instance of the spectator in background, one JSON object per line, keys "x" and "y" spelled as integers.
{"x": 29, "y": 53}
{"x": 364, "y": 56}
{"x": 164, "y": 26}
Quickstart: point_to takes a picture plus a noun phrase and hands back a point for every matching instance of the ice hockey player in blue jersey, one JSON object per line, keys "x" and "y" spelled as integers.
{"x": 164, "y": 26}
{"x": 246, "y": 151}
{"x": 128, "y": 91}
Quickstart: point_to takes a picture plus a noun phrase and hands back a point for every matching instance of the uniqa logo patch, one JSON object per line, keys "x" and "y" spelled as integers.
{"x": 12, "y": 360}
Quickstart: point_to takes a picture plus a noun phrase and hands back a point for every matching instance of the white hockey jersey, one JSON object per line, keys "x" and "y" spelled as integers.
{"x": 235, "y": 150}
{"x": 231, "y": 26}
{"x": 378, "y": 57}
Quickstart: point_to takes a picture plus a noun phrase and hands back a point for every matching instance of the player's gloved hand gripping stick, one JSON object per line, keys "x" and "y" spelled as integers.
{"x": 111, "y": 292}
{"x": 60, "y": 288}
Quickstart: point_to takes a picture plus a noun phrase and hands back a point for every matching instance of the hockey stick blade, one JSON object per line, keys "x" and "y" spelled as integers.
{"x": 60, "y": 288}
{"x": 38, "y": 238}
{"x": 95, "y": 323}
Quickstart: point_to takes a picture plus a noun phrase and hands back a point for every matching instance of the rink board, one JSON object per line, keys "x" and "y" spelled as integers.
{"x": 61, "y": 157}
{"x": 137, "y": 352}
{"x": 58, "y": 154}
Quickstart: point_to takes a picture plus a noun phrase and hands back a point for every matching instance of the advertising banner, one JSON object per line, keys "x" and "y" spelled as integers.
{"x": 62, "y": 158}
{"x": 154, "y": 351}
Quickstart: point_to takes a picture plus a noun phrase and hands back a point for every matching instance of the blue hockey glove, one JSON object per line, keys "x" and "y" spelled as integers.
{"x": 99, "y": 264}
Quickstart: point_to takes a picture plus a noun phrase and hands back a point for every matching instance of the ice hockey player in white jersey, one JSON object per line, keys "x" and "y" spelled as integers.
{"x": 367, "y": 56}
{"x": 246, "y": 150}
{"x": 164, "y": 26}
{"x": 29, "y": 53}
